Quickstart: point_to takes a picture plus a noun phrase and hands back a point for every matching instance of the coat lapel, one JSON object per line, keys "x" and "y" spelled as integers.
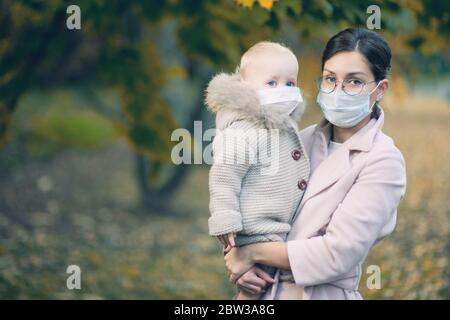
{"x": 326, "y": 170}
{"x": 327, "y": 173}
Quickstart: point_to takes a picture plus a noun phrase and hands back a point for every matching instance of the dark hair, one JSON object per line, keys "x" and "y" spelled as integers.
{"x": 370, "y": 44}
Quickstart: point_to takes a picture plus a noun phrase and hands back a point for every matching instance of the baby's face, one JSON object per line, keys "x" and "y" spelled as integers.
{"x": 272, "y": 69}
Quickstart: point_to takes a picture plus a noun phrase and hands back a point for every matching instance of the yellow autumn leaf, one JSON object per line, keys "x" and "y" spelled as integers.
{"x": 245, "y": 3}
{"x": 266, "y": 4}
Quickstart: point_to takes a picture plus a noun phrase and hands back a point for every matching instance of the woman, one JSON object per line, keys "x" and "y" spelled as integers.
{"x": 357, "y": 181}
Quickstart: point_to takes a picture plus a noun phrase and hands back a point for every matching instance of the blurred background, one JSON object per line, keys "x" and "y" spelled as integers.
{"x": 86, "y": 118}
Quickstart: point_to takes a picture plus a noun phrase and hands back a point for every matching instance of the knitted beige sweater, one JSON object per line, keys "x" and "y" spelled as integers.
{"x": 260, "y": 168}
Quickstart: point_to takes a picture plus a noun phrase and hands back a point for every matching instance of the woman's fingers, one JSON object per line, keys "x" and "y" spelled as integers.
{"x": 247, "y": 290}
{"x": 258, "y": 281}
{"x": 252, "y": 279}
{"x": 251, "y": 282}
{"x": 248, "y": 287}
{"x": 263, "y": 275}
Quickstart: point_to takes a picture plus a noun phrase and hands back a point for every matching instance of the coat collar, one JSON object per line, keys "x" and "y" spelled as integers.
{"x": 326, "y": 170}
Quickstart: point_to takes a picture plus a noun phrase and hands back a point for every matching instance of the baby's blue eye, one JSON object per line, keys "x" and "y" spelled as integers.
{"x": 290, "y": 84}
{"x": 272, "y": 83}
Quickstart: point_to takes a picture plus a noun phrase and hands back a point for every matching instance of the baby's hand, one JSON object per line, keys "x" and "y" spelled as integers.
{"x": 227, "y": 240}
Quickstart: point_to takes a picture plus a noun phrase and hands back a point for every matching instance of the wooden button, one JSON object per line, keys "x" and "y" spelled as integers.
{"x": 302, "y": 184}
{"x": 296, "y": 154}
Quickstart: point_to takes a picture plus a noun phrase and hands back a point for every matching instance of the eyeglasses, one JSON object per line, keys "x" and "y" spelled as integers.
{"x": 351, "y": 87}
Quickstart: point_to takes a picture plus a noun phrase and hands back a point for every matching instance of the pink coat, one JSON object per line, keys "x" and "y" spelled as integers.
{"x": 349, "y": 205}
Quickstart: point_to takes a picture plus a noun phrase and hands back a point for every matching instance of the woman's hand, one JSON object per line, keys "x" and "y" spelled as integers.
{"x": 238, "y": 261}
{"x": 254, "y": 281}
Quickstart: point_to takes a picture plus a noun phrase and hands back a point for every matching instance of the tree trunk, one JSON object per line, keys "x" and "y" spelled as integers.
{"x": 160, "y": 197}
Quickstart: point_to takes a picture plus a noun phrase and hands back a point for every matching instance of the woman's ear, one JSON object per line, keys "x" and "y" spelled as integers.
{"x": 382, "y": 88}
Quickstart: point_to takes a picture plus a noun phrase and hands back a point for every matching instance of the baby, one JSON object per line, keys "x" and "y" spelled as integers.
{"x": 254, "y": 195}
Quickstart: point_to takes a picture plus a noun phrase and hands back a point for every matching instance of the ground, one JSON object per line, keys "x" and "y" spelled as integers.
{"x": 82, "y": 208}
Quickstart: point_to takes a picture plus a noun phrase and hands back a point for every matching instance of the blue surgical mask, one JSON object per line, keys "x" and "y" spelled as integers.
{"x": 343, "y": 110}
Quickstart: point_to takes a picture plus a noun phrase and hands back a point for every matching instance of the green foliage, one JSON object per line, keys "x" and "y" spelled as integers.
{"x": 117, "y": 46}
{"x": 83, "y": 129}
{"x": 51, "y": 121}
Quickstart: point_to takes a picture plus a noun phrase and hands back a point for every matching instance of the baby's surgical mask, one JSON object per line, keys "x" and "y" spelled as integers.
{"x": 282, "y": 99}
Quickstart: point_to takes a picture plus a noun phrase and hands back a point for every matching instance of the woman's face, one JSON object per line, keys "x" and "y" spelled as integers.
{"x": 352, "y": 66}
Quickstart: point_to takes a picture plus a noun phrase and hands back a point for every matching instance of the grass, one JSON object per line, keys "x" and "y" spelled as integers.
{"x": 86, "y": 215}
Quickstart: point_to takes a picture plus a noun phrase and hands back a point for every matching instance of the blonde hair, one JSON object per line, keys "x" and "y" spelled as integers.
{"x": 258, "y": 48}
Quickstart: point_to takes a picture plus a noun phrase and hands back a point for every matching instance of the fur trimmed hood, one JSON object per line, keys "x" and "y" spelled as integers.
{"x": 232, "y": 99}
